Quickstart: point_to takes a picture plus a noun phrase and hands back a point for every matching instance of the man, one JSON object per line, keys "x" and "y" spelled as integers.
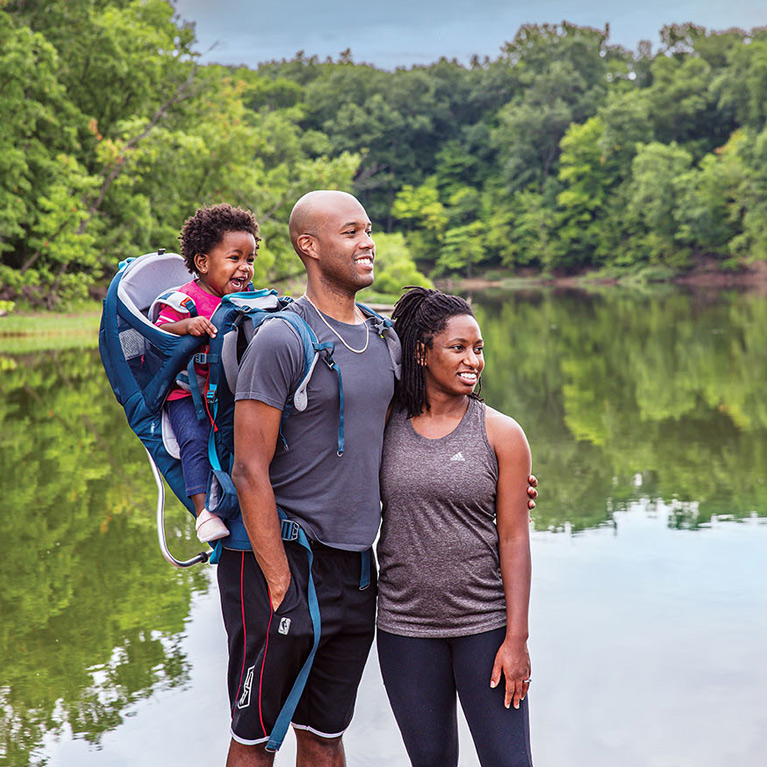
{"x": 322, "y": 471}
{"x": 330, "y": 489}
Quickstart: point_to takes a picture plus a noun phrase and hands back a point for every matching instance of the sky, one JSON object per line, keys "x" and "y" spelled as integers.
{"x": 394, "y": 33}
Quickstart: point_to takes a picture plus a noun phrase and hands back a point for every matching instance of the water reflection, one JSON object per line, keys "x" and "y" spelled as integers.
{"x": 626, "y": 399}
{"x": 90, "y": 612}
{"x": 625, "y": 396}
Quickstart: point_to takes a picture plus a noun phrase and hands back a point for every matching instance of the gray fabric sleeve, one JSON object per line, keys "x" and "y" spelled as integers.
{"x": 272, "y": 365}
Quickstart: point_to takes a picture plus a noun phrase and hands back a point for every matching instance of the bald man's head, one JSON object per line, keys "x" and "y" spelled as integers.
{"x": 314, "y": 211}
{"x": 332, "y": 235}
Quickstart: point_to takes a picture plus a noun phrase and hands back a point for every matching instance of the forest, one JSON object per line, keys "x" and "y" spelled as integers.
{"x": 565, "y": 153}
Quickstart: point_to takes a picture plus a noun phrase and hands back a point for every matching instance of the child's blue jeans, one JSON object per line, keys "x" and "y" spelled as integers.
{"x": 192, "y": 436}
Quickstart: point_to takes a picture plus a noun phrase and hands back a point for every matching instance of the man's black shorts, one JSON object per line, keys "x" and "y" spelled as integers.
{"x": 267, "y": 648}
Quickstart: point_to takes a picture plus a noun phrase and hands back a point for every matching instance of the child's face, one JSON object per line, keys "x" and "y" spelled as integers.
{"x": 228, "y": 267}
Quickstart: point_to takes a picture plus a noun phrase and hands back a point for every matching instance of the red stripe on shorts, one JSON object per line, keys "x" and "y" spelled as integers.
{"x": 263, "y": 663}
{"x": 244, "y": 632}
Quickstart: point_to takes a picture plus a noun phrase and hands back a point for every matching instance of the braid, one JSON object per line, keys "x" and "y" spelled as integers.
{"x": 419, "y": 315}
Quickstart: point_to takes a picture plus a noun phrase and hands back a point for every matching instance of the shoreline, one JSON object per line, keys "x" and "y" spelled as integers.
{"x": 705, "y": 275}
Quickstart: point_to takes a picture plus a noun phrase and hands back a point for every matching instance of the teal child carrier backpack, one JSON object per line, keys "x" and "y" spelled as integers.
{"x": 144, "y": 363}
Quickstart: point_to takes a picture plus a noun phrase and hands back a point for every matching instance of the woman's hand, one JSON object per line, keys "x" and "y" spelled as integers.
{"x": 513, "y": 661}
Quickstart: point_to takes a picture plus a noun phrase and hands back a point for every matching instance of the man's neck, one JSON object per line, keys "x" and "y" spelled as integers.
{"x": 340, "y": 306}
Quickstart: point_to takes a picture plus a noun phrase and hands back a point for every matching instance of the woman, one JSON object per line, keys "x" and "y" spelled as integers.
{"x": 454, "y": 551}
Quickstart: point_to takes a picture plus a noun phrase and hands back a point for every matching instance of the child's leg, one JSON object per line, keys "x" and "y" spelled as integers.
{"x": 192, "y": 438}
{"x": 198, "y": 499}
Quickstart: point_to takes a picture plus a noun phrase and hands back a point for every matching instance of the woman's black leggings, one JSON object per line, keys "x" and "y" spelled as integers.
{"x": 422, "y": 677}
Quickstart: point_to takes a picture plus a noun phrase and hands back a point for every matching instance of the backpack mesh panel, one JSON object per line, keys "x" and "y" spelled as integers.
{"x": 143, "y": 359}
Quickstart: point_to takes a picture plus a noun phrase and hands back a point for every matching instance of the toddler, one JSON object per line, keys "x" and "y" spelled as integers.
{"x": 219, "y": 246}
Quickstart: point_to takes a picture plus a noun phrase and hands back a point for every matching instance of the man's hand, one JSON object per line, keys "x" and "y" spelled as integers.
{"x": 532, "y": 483}
{"x": 278, "y": 590}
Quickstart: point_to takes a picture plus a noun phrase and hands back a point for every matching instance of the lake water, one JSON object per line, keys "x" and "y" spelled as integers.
{"x": 647, "y": 418}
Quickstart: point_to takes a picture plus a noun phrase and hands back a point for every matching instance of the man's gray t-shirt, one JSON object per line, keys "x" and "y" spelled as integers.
{"x": 334, "y": 498}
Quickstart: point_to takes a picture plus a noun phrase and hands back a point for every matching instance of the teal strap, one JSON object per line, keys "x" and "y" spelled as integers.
{"x": 194, "y": 388}
{"x": 331, "y": 363}
{"x": 364, "y": 569}
{"x": 283, "y": 419}
{"x": 212, "y": 452}
{"x": 341, "y": 437}
{"x": 294, "y": 532}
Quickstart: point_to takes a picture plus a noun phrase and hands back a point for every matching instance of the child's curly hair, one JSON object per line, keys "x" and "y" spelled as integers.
{"x": 206, "y": 228}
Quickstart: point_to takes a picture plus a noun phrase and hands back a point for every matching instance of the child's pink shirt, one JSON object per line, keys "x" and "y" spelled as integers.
{"x": 205, "y": 303}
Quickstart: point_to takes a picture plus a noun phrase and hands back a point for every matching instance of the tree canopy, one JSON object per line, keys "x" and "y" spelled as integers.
{"x": 564, "y": 152}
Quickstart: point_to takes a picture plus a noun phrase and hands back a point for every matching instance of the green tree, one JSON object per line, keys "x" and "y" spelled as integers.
{"x": 394, "y": 266}
{"x": 422, "y": 212}
{"x": 562, "y": 71}
{"x": 751, "y": 198}
{"x": 741, "y": 86}
{"x": 707, "y": 210}
{"x": 589, "y": 176}
{"x": 522, "y": 230}
{"x": 42, "y": 184}
{"x": 658, "y": 177}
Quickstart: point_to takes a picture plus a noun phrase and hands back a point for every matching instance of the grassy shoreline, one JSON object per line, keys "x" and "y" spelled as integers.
{"x": 706, "y": 274}
{"x": 26, "y": 331}
{"x": 50, "y": 323}
{"x": 79, "y": 323}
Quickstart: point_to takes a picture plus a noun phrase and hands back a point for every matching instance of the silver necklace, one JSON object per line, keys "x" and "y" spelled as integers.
{"x": 337, "y": 334}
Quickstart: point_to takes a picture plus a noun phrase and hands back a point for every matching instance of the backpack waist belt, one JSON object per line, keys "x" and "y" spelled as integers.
{"x": 292, "y": 531}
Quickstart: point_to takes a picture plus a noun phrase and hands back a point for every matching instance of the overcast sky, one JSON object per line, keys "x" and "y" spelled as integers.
{"x": 392, "y": 33}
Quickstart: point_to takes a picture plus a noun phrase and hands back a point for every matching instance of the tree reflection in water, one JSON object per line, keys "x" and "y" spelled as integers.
{"x": 92, "y": 614}
{"x": 625, "y": 397}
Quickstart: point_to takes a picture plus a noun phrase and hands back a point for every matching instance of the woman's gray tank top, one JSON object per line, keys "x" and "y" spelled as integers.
{"x": 438, "y": 551}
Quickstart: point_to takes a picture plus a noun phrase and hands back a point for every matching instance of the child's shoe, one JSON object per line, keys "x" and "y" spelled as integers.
{"x": 210, "y": 527}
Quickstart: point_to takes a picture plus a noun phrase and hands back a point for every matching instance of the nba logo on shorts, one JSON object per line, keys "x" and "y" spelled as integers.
{"x": 284, "y": 626}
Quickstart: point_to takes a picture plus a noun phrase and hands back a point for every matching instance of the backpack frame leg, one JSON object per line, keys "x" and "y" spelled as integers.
{"x": 203, "y": 556}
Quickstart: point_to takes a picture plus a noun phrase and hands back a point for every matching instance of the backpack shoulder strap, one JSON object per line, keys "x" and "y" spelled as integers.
{"x": 311, "y": 349}
{"x": 175, "y": 299}
{"x": 384, "y": 327}
{"x": 231, "y": 349}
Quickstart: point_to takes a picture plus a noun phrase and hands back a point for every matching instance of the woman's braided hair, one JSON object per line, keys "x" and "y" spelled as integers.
{"x": 418, "y": 316}
{"x": 205, "y": 229}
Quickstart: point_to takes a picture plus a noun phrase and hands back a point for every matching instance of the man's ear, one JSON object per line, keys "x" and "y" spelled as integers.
{"x": 306, "y": 244}
{"x": 201, "y": 263}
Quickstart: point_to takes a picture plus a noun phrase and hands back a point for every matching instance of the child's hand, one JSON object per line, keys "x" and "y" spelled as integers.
{"x": 200, "y": 326}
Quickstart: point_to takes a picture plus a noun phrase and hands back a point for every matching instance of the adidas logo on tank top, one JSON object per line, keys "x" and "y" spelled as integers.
{"x": 458, "y": 457}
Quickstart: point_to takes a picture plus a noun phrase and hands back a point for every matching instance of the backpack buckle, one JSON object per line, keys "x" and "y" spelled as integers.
{"x": 289, "y": 530}
{"x": 201, "y": 358}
